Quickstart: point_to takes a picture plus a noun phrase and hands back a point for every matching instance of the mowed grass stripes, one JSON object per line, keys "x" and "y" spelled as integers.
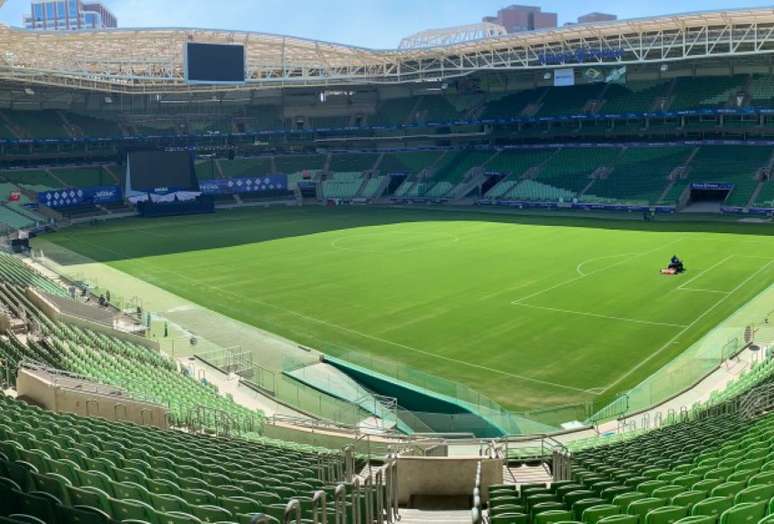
{"x": 531, "y": 311}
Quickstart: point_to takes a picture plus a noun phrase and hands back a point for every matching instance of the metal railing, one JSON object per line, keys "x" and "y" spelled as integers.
{"x": 477, "y": 512}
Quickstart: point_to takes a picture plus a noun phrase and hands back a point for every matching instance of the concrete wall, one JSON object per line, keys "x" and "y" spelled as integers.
{"x": 52, "y": 311}
{"x": 446, "y": 476}
{"x": 48, "y": 395}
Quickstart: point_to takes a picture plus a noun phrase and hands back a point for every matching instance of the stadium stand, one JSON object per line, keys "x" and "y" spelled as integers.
{"x": 30, "y": 178}
{"x": 36, "y": 124}
{"x": 244, "y": 167}
{"x": 766, "y": 196}
{"x": 640, "y": 174}
{"x": 513, "y": 104}
{"x": 298, "y": 163}
{"x": 94, "y": 127}
{"x": 84, "y": 177}
{"x": 351, "y": 162}
{"x": 372, "y": 186}
{"x": 637, "y": 96}
{"x": 562, "y": 101}
{"x": 737, "y": 165}
{"x": 65, "y": 468}
{"x": 710, "y": 465}
{"x": 394, "y": 112}
{"x": 342, "y": 185}
{"x": 571, "y": 168}
{"x": 701, "y": 93}
{"x": 408, "y": 162}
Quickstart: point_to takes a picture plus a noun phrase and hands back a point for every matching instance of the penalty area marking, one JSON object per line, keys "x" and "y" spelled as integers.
{"x": 606, "y": 268}
{"x": 238, "y": 297}
{"x": 579, "y": 267}
{"x": 674, "y": 339}
{"x": 606, "y": 317}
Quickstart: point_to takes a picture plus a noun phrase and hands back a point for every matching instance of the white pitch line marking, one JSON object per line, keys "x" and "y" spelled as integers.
{"x": 606, "y": 268}
{"x": 606, "y": 317}
{"x": 579, "y": 267}
{"x": 682, "y": 332}
{"x": 681, "y": 287}
{"x": 355, "y": 332}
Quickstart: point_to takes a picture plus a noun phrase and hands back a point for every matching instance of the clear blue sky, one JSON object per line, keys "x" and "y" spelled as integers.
{"x": 368, "y": 23}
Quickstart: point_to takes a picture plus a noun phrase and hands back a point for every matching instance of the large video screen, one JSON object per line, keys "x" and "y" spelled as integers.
{"x": 215, "y": 63}
{"x": 151, "y": 170}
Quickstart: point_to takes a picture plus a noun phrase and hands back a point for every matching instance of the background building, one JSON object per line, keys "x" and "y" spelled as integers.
{"x": 596, "y": 17}
{"x": 517, "y": 18}
{"x": 68, "y": 15}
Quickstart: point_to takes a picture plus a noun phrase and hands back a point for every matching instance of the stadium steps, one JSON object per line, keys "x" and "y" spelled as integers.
{"x": 219, "y": 169}
{"x": 418, "y": 516}
{"x": 378, "y": 162}
{"x": 72, "y": 130}
{"x": 756, "y": 192}
{"x": 50, "y": 173}
{"x": 530, "y": 474}
{"x": 765, "y": 175}
{"x": 11, "y": 126}
{"x": 111, "y": 174}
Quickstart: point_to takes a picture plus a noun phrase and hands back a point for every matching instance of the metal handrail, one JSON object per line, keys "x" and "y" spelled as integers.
{"x": 318, "y": 499}
{"x": 293, "y": 506}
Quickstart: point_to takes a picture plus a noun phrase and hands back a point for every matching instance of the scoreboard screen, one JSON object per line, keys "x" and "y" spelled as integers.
{"x": 214, "y": 63}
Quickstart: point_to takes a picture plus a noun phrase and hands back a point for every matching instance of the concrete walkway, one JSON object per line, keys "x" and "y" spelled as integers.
{"x": 230, "y": 385}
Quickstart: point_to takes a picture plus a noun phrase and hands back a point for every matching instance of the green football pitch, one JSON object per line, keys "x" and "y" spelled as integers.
{"x": 530, "y": 311}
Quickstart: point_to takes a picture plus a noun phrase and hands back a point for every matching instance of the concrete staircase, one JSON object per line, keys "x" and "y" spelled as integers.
{"x": 529, "y": 474}
{"x": 418, "y": 516}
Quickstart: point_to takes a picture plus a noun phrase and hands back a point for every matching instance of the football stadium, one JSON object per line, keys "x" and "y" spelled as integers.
{"x": 489, "y": 276}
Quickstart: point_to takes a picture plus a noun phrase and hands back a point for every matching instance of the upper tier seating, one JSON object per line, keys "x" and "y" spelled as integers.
{"x": 85, "y": 177}
{"x": 569, "y": 100}
{"x": 408, "y": 162}
{"x": 297, "y": 163}
{"x": 395, "y": 111}
{"x": 30, "y": 177}
{"x": 571, "y": 168}
{"x": 436, "y": 109}
{"x": 762, "y": 91}
{"x": 640, "y": 174}
{"x": 245, "y": 167}
{"x": 37, "y": 124}
{"x": 634, "y": 97}
{"x": 705, "y": 92}
{"x": 350, "y": 162}
{"x": 512, "y": 105}
{"x": 94, "y": 127}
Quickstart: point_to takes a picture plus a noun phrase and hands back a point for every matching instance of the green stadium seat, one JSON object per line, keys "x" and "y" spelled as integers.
{"x": 666, "y": 515}
{"x": 596, "y": 513}
{"x": 688, "y": 498}
{"x": 712, "y": 506}
{"x": 744, "y": 513}
{"x": 579, "y": 506}
{"x": 761, "y": 493}
{"x": 552, "y": 516}
{"x": 510, "y": 518}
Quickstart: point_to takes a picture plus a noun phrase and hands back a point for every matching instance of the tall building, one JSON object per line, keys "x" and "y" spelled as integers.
{"x": 517, "y": 18}
{"x": 68, "y": 15}
{"x": 596, "y": 17}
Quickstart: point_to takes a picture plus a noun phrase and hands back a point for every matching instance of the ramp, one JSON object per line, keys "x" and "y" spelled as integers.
{"x": 331, "y": 381}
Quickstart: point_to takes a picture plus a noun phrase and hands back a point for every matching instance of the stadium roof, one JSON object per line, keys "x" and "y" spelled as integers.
{"x": 152, "y": 60}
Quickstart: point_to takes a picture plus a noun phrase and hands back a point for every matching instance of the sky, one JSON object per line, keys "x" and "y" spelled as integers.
{"x": 367, "y": 23}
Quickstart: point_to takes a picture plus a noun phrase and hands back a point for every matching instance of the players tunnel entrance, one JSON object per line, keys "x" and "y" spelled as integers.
{"x": 422, "y": 410}
{"x": 709, "y": 192}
